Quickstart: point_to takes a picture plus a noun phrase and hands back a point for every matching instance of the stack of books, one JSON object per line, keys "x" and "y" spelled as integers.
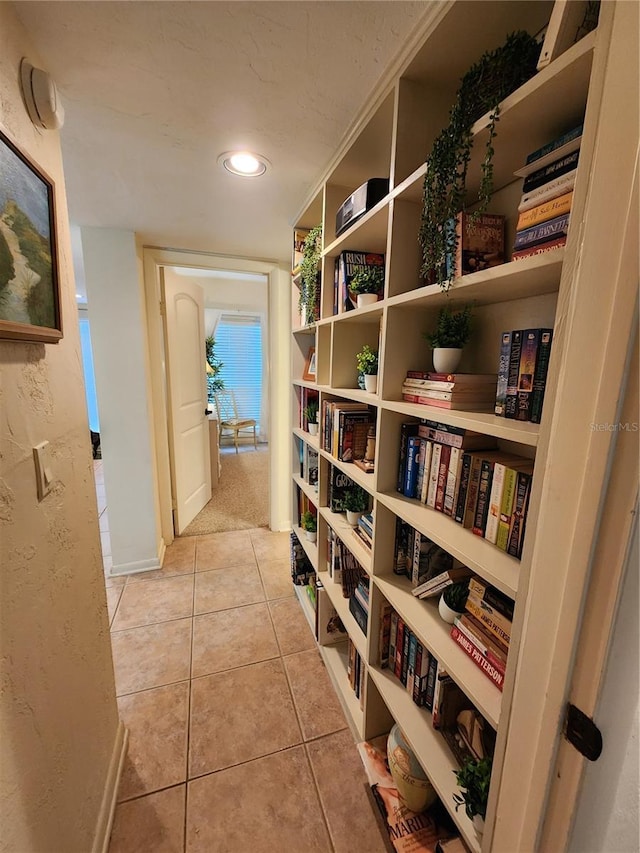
{"x": 359, "y": 603}
{"x": 483, "y": 631}
{"x": 465, "y": 477}
{"x": 364, "y": 529}
{"x": 472, "y": 391}
{"x": 522, "y": 373}
{"x": 547, "y": 193}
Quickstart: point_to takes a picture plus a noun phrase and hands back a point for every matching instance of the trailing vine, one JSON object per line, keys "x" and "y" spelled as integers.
{"x": 310, "y": 275}
{"x": 496, "y": 74}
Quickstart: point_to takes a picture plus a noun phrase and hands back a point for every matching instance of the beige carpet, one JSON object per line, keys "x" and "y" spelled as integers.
{"x": 240, "y": 501}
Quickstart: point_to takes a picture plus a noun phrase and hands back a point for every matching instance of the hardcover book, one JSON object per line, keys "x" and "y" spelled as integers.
{"x": 480, "y": 242}
{"x": 490, "y": 670}
{"x": 545, "y": 210}
{"x": 540, "y": 248}
{"x": 349, "y": 262}
{"x": 543, "y": 232}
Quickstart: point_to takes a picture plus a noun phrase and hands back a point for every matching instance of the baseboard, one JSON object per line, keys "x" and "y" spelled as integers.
{"x": 109, "y": 798}
{"x": 137, "y": 566}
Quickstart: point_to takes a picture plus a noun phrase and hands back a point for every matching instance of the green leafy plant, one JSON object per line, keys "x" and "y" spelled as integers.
{"x": 367, "y": 280}
{"x": 311, "y": 412}
{"x": 214, "y": 366}
{"x": 455, "y": 595}
{"x": 453, "y": 328}
{"x": 308, "y": 522}
{"x": 474, "y": 778}
{"x": 367, "y": 360}
{"x": 355, "y": 499}
{"x": 494, "y": 76}
{"x": 310, "y": 275}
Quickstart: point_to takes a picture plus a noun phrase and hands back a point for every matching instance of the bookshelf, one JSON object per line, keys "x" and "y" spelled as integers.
{"x": 391, "y": 139}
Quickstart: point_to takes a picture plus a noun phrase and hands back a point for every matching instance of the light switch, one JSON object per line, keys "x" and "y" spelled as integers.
{"x": 44, "y": 469}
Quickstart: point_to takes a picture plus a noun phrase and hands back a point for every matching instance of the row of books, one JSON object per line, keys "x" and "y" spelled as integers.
{"x": 356, "y": 671}
{"x": 359, "y": 603}
{"x": 347, "y": 264}
{"x": 364, "y": 529}
{"x": 485, "y": 490}
{"x": 344, "y": 428}
{"x": 522, "y": 373}
{"x": 308, "y": 396}
{"x": 406, "y": 657}
{"x": 474, "y": 391}
{"x": 302, "y": 571}
{"x": 309, "y": 464}
{"x": 547, "y": 195}
{"x": 342, "y": 566}
{"x": 417, "y": 557}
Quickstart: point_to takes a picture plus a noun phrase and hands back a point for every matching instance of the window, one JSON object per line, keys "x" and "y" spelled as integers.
{"x": 239, "y": 347}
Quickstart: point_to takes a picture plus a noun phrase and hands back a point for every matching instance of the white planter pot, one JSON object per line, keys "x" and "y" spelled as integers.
{"x": 352, "y": 518}
{"x": 478, "y": 824}
{"x": 366, "y": 299}
{"x": 446, "y": 612}
{"x": 311, "y": 535}
{"x": 446, "y": 359}
{"x": 371, "y": 382}
{"x": 312, "y": 428}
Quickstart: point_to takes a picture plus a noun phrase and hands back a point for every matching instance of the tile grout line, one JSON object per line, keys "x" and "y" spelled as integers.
{"x": 188, "y": 744}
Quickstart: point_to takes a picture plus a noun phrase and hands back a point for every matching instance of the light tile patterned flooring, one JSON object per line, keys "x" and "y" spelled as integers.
{"x": 237, "y": 741}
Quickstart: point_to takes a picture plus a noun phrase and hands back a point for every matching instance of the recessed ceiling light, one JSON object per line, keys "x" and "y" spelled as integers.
{"x": 244, "y": 163}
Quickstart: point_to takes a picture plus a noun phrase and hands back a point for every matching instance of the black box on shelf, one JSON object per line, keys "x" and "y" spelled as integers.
{"x": 360, "y": 201}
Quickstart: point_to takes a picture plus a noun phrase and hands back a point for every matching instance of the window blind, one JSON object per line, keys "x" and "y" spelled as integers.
{"x": 239, "y": 347}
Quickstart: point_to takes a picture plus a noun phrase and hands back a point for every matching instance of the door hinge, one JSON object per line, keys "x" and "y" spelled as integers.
{"x": 163, "y": 309}
{"x": 583, "y": 733}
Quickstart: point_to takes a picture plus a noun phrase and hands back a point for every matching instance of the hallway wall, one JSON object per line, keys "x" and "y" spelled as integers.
{"x": 59, "y": 720}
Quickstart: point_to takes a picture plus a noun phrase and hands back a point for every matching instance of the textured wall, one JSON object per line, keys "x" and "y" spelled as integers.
{"x": 57, "y": 698}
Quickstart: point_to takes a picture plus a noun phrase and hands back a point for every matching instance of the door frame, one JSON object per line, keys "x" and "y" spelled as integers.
{"x": 153, "y": 260}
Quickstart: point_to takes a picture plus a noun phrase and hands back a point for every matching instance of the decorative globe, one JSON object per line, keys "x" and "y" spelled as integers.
{"x": 414, "y": 788}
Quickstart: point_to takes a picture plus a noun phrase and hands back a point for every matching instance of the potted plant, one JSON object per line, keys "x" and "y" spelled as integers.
{"x": 311, "y": 414}
{"x": 309, "y": 524}
{"x": 452, "y": 332}
{"x": 453, "y": 600}
{"x": 494, "y": 76}
{"x": 367, "y": 363}
{"x": 354, "y": 502}
{"x": 367, "y": 283}
{"x": 310, "y": 276}
{"x": 474, "y": 778}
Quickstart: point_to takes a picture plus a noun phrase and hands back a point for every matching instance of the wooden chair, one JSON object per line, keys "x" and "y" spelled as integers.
{"x": 228, "y": 419}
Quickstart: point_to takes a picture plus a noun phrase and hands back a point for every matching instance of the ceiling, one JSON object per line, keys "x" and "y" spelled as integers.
{"x": 154, "y": 92}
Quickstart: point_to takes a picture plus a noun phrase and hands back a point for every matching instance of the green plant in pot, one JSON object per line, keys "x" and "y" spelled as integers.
{"x": 310, "y": 276}
{"x": 494, "y": 76}
{"x": 366, "y": 283}
{"x": 355, "y": 501}
{"x": 311, "y": 415}
{"x": 367, "y": 364}
{"x": 474, "y": 778}
{"x": 309, "y": 524}
{"x": 452, "y": 332}
{"x": 452, "y": 601}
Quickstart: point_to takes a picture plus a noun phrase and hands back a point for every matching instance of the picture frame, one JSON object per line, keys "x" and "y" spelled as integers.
{"x": 309, "y": 372}
{"x": 29, "y": 273}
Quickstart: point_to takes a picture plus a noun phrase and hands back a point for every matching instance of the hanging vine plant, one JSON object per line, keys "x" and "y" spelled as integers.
{"x": 310, "y": 275}
{"x": 496, "y": 74}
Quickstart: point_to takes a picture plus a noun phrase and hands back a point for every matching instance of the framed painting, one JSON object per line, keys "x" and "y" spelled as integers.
{"x": 310, "y": 366}
{"x": 29, "y": 280}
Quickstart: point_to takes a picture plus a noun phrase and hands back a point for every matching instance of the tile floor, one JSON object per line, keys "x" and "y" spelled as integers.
{"x": 237, "y": 741}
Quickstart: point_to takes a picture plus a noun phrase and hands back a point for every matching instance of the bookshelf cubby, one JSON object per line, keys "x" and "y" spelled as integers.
{"x": 392, "y": 140}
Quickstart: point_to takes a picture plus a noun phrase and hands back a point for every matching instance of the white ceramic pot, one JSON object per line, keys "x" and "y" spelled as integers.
{"x": 313, "y": 428}
{"x": 352, "y": 518}
{"x": 446, "y": 359}
{"x": 478, "y": 824}
{"x": 371, "y": 382}
{"x": 366, "y": 299}
{"x": 311, "y": 535}
{"x": 446, "y": 612}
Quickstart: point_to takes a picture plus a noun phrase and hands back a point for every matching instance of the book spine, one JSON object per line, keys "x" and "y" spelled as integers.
{"x": 540, "y": 377}
{"x": 547, "y": 191}
{"x": 503, "y": 373}
{"x": 420, "y": 477}
{"x": 428, "y": 453}
{"x": 485, "y": 592}
{"x": 433, "y": 475}
{"x": 463, "y": 488}
{"x": 491, "y": 671}
{"x": 493, "y": 621}
{"x": 393, "y": 632}
{"x": 406, "y": 430}
{"x": 506, "y": 508}
{"x": 431, "y": 683}
{"x": 359, "y": 613}
{"x": 475, "y": 635}
{"x": 554, "y": 170}
{"x": 514, "y": 373}
{"x": 406, "y": 640}
{"x": 540, "y": 248}
{"x": 399, "y": 648}
{"x": 495, "y": 502}
{"x": 413, "y": 461}
{"x": 519, "y": 517}
{"x": 569, "y": 136}
{"x": 472, "y": 492}
{"x": 545, "y": 211}
{"x": 542, "y": 232}
{"x": 482, "y": 504}
{"x": 385, "y": 628}
{"x": 528, "y": 358}
{"x": 453, "y": 478}
{"x": 411, "y": 666}
{"x": 443, "y": 470}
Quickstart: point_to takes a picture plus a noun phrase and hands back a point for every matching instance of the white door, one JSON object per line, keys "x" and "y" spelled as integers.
{"x": 187, "y": 399}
